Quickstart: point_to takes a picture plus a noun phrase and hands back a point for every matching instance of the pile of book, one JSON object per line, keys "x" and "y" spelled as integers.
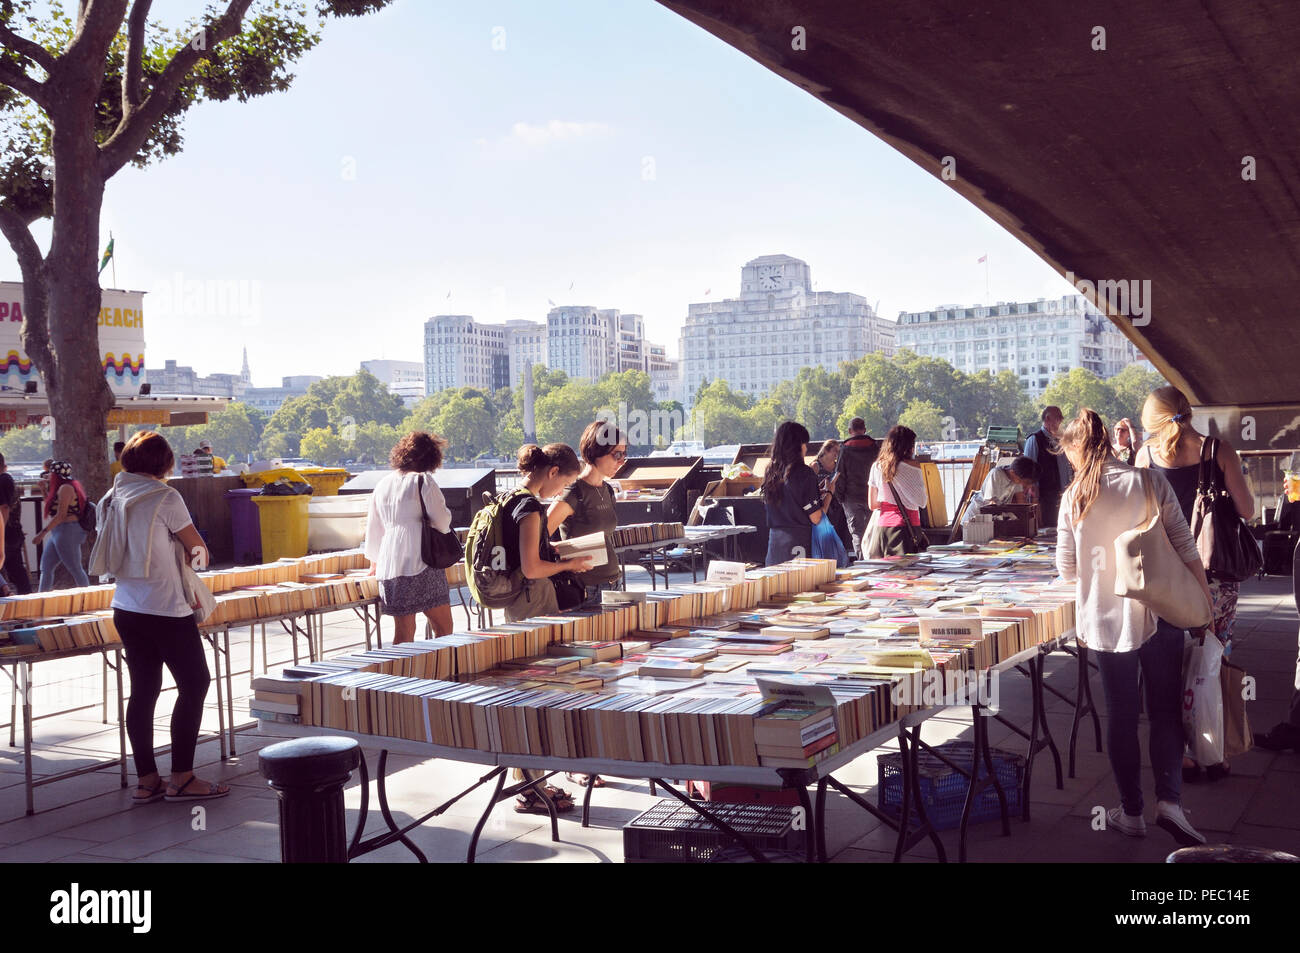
{"x": 61, "y": 602}
{"x": 685, "y": 676}
{"x": 640, "y": 533}
{"x": 28, "y": 637}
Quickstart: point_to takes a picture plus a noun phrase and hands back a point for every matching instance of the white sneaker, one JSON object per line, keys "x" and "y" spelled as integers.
{"x": 1171, "y": 817}
{"x": 1134, "y": 825}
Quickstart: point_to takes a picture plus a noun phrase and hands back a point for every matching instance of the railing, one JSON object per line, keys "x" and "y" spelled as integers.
{"x": 1264, "y": 477}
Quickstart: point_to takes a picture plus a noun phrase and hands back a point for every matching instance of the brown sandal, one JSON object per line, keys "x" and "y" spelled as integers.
{"x": 530, "y": 802}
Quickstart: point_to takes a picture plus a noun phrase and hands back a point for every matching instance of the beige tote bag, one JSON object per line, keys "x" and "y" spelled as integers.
{"x": 1149, "y": 569}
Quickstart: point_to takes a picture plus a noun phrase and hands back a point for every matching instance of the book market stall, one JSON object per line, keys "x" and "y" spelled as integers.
{"x": 777, "y": 679}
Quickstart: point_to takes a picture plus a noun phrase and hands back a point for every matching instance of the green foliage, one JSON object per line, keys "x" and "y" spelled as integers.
{"x": 323, "y": 446}
{"x": 923, "y": 417}
{"x": 25, "y": 445}
{"x": 235, "y": 432}
{"x": 466, "y": 423}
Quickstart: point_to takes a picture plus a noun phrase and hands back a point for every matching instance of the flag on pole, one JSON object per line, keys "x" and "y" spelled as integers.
{"x": 983, "y": 258}
{"x": 707, "y": 292}
{"x": 550, "y": 302}
{"x": 108, "y": 254}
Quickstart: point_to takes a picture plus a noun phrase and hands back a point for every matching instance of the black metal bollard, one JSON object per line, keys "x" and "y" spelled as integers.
{"x": 308, "y": 774}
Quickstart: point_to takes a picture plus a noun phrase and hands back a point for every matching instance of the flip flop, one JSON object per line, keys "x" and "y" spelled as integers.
{"x": 532, "y": 803}
{"x": 581, "y": 780}
{"x": 214, "y": 791}
{"x": 155, "y": 793}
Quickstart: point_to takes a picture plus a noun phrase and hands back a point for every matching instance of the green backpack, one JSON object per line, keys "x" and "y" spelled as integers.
{"x": 494, "y": 576}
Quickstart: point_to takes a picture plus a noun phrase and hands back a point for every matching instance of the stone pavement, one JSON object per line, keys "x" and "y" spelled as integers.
{"x": 90, "y": 818}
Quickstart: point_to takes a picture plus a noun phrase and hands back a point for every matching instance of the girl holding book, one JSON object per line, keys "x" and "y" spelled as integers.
{"x": 792, "y": 496}
{"x": 587, "y": 505}
{"x": 546, "y": 471}
{"x": 407, "y": 585}
{"x": 896, "y": 488}
{"x": 142, "y": 520}
{"x": 1107, "y": 498}
{"x": 62, "y": 536}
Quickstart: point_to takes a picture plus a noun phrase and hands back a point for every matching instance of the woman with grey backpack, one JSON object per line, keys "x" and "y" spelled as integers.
{"x": 1106, "y": 506}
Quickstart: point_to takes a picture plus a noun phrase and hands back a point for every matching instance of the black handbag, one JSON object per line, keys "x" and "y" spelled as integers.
{"x": 1226, "y": 546}
{"x": 437, "y": 549}
{"x": 916, "y": 540}
{"x": 569, "y": 592}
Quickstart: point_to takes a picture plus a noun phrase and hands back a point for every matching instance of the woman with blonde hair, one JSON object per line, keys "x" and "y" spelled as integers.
{"x": 1174, "y": 448}
{"x": 1126, "y": 443}
{"x": 1107, "y": 498}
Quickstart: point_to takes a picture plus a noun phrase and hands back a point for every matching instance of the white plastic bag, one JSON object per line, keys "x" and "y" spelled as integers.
{"x": 1203, "y": 700}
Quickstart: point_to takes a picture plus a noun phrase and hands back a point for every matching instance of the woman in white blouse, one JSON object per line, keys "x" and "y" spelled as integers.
{"x": 407, "y": 585}
{"x": 1107, "y": 498}
{"x": 894, "y": 466}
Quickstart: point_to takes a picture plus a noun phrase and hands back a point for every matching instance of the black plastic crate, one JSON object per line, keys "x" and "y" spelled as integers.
{"x": 672, "y": 833}
{"x": 943, "y": 789}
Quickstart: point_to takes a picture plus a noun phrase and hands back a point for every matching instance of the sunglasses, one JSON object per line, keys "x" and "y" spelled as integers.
{"x": 619, "y": 455}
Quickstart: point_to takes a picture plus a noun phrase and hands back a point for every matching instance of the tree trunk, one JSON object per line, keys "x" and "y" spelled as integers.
{"x": 71, "y": 366}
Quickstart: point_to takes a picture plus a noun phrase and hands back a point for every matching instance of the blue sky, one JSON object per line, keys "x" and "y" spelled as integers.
{"x": 412, "y": 160}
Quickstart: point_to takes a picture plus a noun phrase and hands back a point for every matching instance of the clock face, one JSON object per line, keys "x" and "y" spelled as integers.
{"x": 769, "y": 277}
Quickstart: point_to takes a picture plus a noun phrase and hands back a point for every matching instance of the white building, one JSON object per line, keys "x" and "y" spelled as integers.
{"x": 395, "y": 372}
{"x": 526, "y": 345}
{"x": 1036, "y": 340}
{"x": 778, "y": 325}
{"x": 578, "y": 341}
{"x": 460, "y": 352}
{"x": 269, "y": 399}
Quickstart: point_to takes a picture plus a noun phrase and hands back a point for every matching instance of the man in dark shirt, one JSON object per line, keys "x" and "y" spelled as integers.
{"x": 1054, "y": 473}
{"x": 13, "y": 566}
{"x": 857, "y": 454}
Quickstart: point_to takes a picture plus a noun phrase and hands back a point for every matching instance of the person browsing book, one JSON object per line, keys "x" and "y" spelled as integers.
{"x": 895, "y": 467}
{"x": 546, "y": 471}
{"x": 407, "y": 585}
{"x": 62, "y": 536}
{"x": 142, "y": 521}
{"x": 857, "y": 454}
{"x": 587, "y": 505}
{"x": 792, "y": 496}
{"x": 1105, "y": 499}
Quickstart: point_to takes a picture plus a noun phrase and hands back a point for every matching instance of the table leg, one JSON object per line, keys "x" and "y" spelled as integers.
{"x": 819, "y": 821}
{"x": 265, "y": 662}
{"x": 586, "y": 799}
{"x": 365, "y": 807}
{"x": 387, "y": 814}
{"x": 482, "y": 821}
{"x": 26, "y": 677}
{"x": 13, "y": 707}
{"x": 221, "y": 714}
{"x": 103, "y": 685}
{"x": 230, "y": 692}
{"x": 121, "y": 715}
{"x": 811, "y": 827}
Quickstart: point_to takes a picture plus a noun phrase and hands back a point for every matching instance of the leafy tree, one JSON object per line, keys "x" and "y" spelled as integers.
{"x": 80, "y": 98}
{"x": 277, "y": 444}
{"x": 875, "y": 394}
{"x": 1131, "y": 387}
{"x": 25, "y": 445}
{"x": 924, "y": 417}
{"x": 374, "y": 442}
{"x": 564, "y": 412}
{"x": 363, "y": 398}
{"x": 719, "y": 414}
{"x": 234, "y": 432}
{"x": 1079, "y": 388}
{"x": 466, "y": 424}
{"x": 295, "y": 417}
{"x": 323, "y": 446}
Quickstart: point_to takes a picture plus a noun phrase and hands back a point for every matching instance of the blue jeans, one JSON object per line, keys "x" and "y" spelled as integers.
{"x": 1161, "y": 661}
{"x": 63, "y": 545}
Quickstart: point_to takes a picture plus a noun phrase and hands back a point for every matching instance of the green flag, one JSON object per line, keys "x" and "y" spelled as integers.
{"x": 108, "y": 254}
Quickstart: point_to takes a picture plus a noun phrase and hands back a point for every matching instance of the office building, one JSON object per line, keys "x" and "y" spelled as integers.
{"x": 1036, "y": 340}
{"x": 778, "y": 325}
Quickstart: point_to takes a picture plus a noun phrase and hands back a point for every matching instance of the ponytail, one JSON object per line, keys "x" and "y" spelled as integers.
{"x": 533, "y": 458}
{"x": 1167, "y": 416}
{"x": 1087, "y": 439}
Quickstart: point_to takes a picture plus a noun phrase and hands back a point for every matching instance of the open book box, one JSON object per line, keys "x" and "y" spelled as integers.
{"x": 654, "y": 489}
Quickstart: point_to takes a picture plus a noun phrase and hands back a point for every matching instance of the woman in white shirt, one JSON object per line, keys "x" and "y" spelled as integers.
{"x": 894, "y": 465}
{"x": 407, "y": 585}
{"x": 1107, "y": 498}
{"x": 141, "y": 521}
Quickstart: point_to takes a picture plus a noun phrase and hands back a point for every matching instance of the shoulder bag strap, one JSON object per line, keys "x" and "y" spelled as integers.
{"x": 907, "y": 520}
{"x": 1205, "y": 467}
{"x": 419, "y": 491}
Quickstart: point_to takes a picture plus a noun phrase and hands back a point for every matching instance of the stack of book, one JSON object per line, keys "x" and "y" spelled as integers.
{"x": 641, "y": 533}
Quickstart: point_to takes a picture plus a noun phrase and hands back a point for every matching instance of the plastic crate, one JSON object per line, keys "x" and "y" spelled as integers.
{"x": 670, "y": 832}
{"x": 943, "y": 790}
